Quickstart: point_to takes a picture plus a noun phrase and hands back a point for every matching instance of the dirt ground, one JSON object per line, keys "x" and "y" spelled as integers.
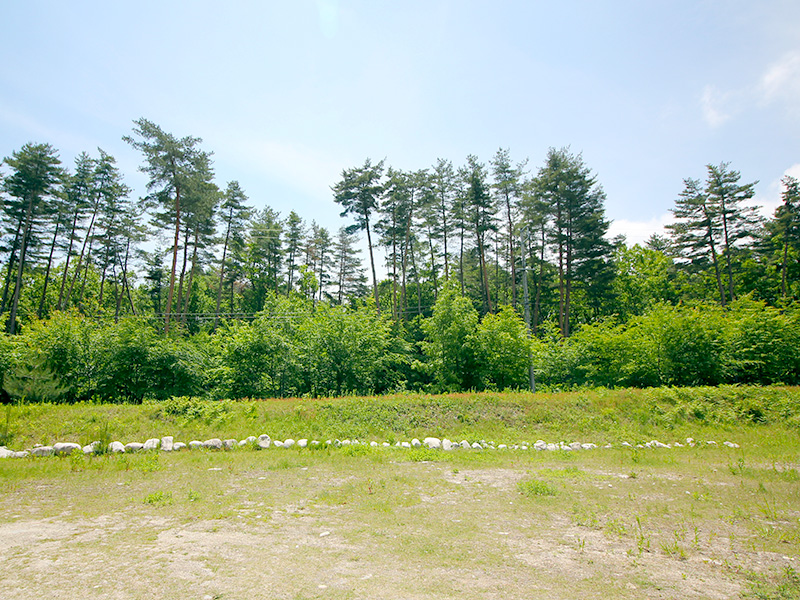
{"x": 383, "y": 531}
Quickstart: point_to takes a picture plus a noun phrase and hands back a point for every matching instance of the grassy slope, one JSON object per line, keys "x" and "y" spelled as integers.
{"x": 599, "y": 416}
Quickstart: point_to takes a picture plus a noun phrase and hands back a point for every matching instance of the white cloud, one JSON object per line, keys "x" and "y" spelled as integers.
{"x": 781, "y": 80}
{"x": 768, "y": 202}
{"x": 779, "y": 84}
{"x": 638, "y": 232}
{"x": 712, "y": 102}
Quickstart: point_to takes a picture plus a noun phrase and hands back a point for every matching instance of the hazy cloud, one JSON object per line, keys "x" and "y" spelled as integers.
{"x": 781, "y": 80}
{"x": 713, "y": 104}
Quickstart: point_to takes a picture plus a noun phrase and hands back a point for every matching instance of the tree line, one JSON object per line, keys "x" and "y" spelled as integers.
{"x": 191, "y": 256}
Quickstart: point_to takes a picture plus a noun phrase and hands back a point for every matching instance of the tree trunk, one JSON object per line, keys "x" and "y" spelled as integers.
{"x": 12, "y": 321}
{"x": 66, "y": 262}
{"x": 174, "y": 254}
{"x": 40, "y": 312}
{"x": 222, "y": 268}
{"x": 372, "y": 264}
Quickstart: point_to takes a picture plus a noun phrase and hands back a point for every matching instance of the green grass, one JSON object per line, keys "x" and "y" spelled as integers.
{"x": 358, "y": 519}
{"x": 600, "y": 416}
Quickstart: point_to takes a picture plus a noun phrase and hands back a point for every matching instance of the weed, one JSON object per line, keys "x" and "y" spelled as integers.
{"x": 193, "y": 496}
{"x": 77, "y": 460}
{"x": 149, "y": 463}
{"x": 617, "y": 527}
{"x": 585, "y": 516}
{"x": 787, "y": 587}
{"x": 6, "y": 435}
{"x": 159, "y": 498}
{"x": 424, "y": 455}
{"x": 356, "y": 450}
{"x": 534, "y": 487}
{"x": 642, "y": 538}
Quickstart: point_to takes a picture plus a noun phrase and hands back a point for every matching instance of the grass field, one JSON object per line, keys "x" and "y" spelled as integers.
{"x": 361, "y": 522}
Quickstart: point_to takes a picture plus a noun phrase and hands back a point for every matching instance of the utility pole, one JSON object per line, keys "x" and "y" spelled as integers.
{"x": 523, "y": 236}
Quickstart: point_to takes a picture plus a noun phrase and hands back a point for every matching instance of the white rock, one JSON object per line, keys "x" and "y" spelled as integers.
{"x": 405, "y": 444}
{"x": 588, "y": 446}
{"x": 229, "y": 444}
{"x": 133, "y": 446}
{"x": 195, "y": 445}
{"x": 277, "y": 443}
{"x": 91, "y": 448}
{"x": 626, "y": 444}
{"x": 65, "y": 448}
{"x": 116, "y": 447}
{"x": 6, "y": 453}
{"x": 502, "y": 447}
{"x": 432, "y": 443}
{"x": 152, "y": 444}
{"x": 447, "y": 445}
{"x": 711, "y": 443}
{"x": 213, "y": 444}
{"x": 178, "y": 446}
{"x": 264, "y": 441}
{"x": 465, "y": 444}
{"x": 42, "y": 451}
{"x": 373, "y": 444}
{"x": 608, "y": 446}
{"x": 345, "y": 442}
{"x": 540, "y": 445}
{"x": 731, "y": 444}
{"x": 523, "y": 447}
{"x": 303, "y": 443}
{"x": 315, "y": 442}
{"x": 690, "y": 441}
{"x": 657, "y": 444}
{"x": 551, "y": 446}
{"x": 386, "y": 445}
{"x": 678, "y": 445}
{"x": 288, "y": 443}
{"x": 476, "y": 446}
{"x": 416, "y": 443}
{"x": 167, "y": 443}
{"x": 575, "y": 446}
{"x": 23, "y": 454}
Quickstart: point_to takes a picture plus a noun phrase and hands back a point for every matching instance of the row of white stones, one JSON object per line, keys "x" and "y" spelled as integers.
{"x": 167, "y": 444}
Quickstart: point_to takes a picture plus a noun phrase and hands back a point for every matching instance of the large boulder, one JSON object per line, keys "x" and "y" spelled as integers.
{"x": 152, "y": 444}
{"x": 264, "y": 441}
{"x": 65, "y": 448}
{"x": 116, "y": 447}
{"x": 167, "y": 443}
{"x": 42, "y": 451}
{"x": 133, "y": 446}
{"x": 213, "y": 444}
{"x": 432, "y": 443}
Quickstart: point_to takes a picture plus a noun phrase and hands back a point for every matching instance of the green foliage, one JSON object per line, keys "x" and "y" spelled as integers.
{"x": 532, "y": 488}
{"x": 502, "y": 349}
{"x": 134, "y": 362}
{"x": 195, "y": 409}
{"x": 345, "y": 351}
{"x": 448, "y": 346}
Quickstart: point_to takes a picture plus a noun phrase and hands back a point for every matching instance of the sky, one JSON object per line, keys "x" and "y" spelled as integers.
{"x": 288, "y": 94}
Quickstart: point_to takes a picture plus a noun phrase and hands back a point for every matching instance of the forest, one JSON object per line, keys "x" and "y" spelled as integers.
{"x": 498, "y": 275}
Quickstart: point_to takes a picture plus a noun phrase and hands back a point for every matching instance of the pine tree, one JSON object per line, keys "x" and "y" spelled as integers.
{"x": 171, "y": 163}
{"x": 359, "y": 192}
{"x": 36, "y": 176}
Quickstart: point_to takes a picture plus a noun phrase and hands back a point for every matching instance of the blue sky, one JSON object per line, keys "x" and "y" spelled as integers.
{"x": 287, "y": 94}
